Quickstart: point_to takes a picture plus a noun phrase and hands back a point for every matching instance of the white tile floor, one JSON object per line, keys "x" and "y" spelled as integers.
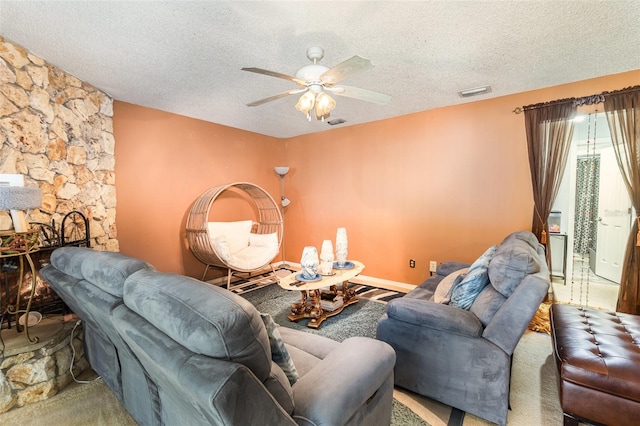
{"x": 585, "y": 287}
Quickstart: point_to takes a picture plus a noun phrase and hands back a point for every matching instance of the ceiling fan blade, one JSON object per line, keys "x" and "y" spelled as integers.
{"x": 275, "y": 74}
{"x": 361, "y": 94}
{"x": 346, "y": 69}
{"x": 278, "y": 96}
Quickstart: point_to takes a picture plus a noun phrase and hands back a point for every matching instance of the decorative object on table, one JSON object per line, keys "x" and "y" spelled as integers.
{"x": 347, "y": 265}
{"x": 326, "y": 258}
{"x": 330, "y": 301}
{"x": 333, "y": 289}
{"x": 17, "y": 199}
{"x": 309, "y": 263}
{"x": 341, "y": 246}
{"x": 284, "y": 202}
{"x": 554, "y": 221}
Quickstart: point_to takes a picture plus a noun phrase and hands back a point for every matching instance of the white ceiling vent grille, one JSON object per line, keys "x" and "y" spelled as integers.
{"x": 336, "y": 121}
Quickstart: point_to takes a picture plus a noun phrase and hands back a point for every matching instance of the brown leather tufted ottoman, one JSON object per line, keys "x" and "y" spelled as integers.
{"x": 598, "y": 358}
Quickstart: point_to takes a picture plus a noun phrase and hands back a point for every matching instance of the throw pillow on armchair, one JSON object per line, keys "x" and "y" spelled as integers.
{"x": 465, "y": 292}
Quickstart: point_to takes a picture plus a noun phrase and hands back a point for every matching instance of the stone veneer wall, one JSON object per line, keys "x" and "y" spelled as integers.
{"x": 58, "y": 132}
{"x": 41, "y": 371}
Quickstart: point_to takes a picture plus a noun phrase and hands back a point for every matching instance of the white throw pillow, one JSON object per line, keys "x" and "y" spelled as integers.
{"x": 222, "y": 248}
{"x": 263, "y": 240}
{"x": 440, "y": 295}
{"x": 236, "y": 234}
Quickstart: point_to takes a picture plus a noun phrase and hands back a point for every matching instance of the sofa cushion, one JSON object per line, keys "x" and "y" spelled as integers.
{"x": 279, "y": 353}
{"x": 205, "y": 319}
{"x": 443, "y": 291}
{"x": 106, "y": 270}
{"x": 466, "y": 291}
{"x": 514, "y": 260}
{"x": 487, "y": 304}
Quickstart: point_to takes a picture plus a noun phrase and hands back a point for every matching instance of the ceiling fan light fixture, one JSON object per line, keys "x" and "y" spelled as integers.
{"x": 315, "y": 80}
{"x": 324, "y": 105}
{"x": 305, "y": 103}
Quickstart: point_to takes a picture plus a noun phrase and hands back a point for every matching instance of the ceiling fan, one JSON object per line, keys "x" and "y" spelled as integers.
{"x": 315, "y": 80}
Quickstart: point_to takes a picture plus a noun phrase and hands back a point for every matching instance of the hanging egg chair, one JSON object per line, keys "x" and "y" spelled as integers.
{"x": 242, "y": 246}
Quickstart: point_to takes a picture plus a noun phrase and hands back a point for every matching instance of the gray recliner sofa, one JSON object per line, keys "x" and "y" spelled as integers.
{"x": 91, "y": 284}
{"x": 463, "y": 357}
{"x": 201, "y": 355}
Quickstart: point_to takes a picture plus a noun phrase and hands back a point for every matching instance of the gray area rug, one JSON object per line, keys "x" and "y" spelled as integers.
{"x": 359, "y": 319}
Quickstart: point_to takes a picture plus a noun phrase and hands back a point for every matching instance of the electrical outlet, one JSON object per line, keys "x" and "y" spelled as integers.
{"x": 433, "y": 265}
{"x": 412, "y": 263}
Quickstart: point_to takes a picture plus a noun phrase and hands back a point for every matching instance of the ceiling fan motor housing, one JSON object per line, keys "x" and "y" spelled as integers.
{"x": 315, "y": 54}
{"x": 311, "y": 73}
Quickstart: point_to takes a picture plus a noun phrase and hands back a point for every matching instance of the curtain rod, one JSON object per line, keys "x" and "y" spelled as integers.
{"x": 584, "y": 100}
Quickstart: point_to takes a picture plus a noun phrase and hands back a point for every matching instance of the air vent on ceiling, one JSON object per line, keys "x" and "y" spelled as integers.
{"x": 336, "y": 121}
{"x": 475, "y": 91}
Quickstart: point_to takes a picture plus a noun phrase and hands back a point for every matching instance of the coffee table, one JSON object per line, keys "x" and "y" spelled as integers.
{"x": 310, "y": 305}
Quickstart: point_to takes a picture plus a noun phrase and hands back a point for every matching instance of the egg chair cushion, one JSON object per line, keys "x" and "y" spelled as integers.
{"x": 255, "y": 256}
{"x": 235, "y": 234}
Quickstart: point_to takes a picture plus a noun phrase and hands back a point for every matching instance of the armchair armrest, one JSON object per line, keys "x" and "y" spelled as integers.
{"x": 438, "y": 316}
{"x": 343, "y": 381}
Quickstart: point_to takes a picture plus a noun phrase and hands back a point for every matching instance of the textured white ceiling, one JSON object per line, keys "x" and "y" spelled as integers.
{"x": 185, "y": 56}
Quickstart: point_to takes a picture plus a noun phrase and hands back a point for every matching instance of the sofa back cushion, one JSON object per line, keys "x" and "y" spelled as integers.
{"x": 205, "y": 319}
{"x": 106, "y": 270}
{"x": 515, "y": 259}
{"x": 487, "y": 304}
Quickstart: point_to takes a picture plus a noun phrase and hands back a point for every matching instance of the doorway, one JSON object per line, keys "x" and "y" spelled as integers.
{"x": 595, "y": 218}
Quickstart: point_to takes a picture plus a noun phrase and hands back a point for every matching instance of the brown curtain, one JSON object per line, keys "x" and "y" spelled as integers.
{"x": 549, "y": 132}
{"x": 623, "y": 115}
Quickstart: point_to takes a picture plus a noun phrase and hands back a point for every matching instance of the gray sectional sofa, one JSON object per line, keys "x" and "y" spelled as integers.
{"x": 463, "y": 357}
{"x": 177, "y": 351}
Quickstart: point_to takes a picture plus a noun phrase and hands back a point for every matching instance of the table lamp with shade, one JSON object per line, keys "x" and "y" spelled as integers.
{"x": 18, "y": 200}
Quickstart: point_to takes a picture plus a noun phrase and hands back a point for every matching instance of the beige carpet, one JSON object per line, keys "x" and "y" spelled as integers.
{"x": 534, "y": 398}
{"x": 534, "y": 391}
{"x": 77, "y": 405}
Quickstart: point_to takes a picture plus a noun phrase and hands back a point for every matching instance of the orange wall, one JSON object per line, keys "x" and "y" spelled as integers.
{"x": 437, "y": 185}
{"x": 163, "y": 163}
